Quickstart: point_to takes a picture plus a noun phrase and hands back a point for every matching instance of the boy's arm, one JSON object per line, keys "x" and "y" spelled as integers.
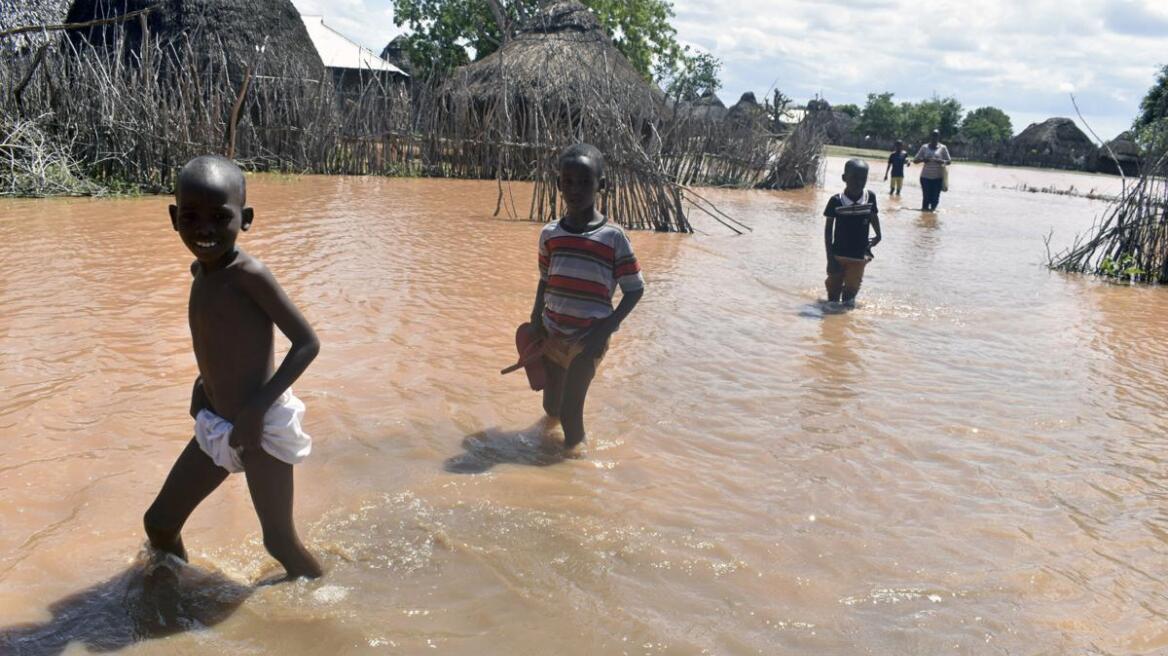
{"x": 887, "y": 168}
{"x": 605, "y": 328}
{"x": 537, "y": 308}
{"x": 875, "y": 222}
{"x": 263, "y": 289}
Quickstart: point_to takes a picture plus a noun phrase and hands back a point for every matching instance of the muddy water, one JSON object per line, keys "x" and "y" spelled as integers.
{"x": 973, "y": 462}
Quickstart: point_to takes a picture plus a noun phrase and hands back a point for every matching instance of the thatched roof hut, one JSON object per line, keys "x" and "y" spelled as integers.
{"x": 562, "y": 52}
{"x": 1124, "y": 149}
{"x": 397, "y": 53}
{"x": 747, "y": 112}
{"x": 1054, "y": 135}
{"x": 242, "y": 29}
{"x": 22, "y": 13}
{"x": 560, "y": 80}
{"x": 708, "y": 108}
{"x": 1055, "y": 143}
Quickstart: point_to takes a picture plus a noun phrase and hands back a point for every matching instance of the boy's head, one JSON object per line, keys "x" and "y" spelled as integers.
{"x": 855, "y": 175}
{"x": 581, "y": 176}
{"x": 210, "y": 206}
{"x": 899, "y": 145}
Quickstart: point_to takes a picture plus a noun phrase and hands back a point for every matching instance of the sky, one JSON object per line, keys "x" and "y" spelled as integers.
{"x": 1025, "y": 56}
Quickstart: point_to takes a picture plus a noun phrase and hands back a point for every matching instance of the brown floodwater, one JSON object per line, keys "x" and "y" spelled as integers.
{"x": 972, "y": 462}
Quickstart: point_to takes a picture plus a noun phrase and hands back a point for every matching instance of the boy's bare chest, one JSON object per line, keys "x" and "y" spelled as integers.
{"x": 218, "y": 304}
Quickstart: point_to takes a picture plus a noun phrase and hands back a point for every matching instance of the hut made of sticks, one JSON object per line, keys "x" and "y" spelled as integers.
{"x": 236, "y": 33}
{"x": 747, "y": 113}
{"x": 558, "y": 81}
{"x": 1055, "y": 142}
{"x": 708, "y": 108}
{"x": 1121, "y": 155}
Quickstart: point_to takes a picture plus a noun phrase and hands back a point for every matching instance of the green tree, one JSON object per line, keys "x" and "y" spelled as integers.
{"x": 1154, "y": 106}
{"x": 851, "y": 109}
{"x": 921, "y": 118}
{"x": 694, "y": 76}
{"x": 1151, "y": 125}
{"x": 445, "y": 34}
{"x": 987, "y": 125}
{"x": 880, "y": 117}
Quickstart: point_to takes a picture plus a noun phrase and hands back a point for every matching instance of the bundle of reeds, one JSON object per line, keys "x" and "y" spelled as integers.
{"x": 800, "y": 160}
{"x": 1130, "y": 240}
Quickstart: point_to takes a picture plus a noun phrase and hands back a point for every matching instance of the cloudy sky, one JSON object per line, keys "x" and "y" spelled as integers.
{"x": 1025, "y": 56}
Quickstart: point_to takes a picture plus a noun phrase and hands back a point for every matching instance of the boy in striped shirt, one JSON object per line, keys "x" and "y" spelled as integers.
{"x": 582, "y": 259}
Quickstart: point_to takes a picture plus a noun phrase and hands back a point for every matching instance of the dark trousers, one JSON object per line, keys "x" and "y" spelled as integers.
{"x": 931, "y": 189}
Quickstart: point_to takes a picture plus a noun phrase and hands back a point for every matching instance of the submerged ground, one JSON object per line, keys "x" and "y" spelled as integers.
{"x": 971, "y": 463}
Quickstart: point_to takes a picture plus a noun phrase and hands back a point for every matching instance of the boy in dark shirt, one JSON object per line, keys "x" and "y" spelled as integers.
{"x": 246, "y": 418}
{"x": 845, "y": 234}
{"x": 896, "y": 163}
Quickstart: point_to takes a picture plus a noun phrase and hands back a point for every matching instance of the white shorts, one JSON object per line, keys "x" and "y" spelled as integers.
{"x": 283, "y": 437}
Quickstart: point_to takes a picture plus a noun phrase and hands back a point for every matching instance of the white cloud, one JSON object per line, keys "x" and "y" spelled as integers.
{"x": 1024, "y": 57}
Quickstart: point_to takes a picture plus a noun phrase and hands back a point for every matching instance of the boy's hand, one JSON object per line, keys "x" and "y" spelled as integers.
{"x": 873, "y": 241}
{"x": 885, "y": 176}
{"x": 595, "y": 340}
{"x": 248, "y": 428}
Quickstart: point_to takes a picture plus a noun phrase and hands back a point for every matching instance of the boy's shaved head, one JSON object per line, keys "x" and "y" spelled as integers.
{"x": 855, "y": 164}
{"x": 583, "y": 151}
{"x": 212, "y": 172}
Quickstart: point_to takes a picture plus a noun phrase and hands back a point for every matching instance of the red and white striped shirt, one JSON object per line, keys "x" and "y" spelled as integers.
{"x": 582, "y": 271}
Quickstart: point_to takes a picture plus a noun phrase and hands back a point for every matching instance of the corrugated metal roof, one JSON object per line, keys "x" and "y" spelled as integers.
{"x": 338, "y": 51}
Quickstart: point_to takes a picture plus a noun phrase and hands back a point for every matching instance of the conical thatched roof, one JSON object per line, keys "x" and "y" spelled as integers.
{"x": 747, "y": 111}
{"x": 560, "y": 81}
{"x": 396, "y": 52}
{"x": 241, "y": 28}
{"x": 1054, "y": 135}
{"x": 21, "y": 13}
{"x": 708, "y": 108}
{"x": 562, "y": 52}
{"x": 1123, "y": 148}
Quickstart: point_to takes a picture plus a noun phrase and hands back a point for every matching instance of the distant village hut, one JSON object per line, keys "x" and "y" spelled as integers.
{"x": 558, "y": 81}
{"x": 1054, "y": 143}
{"x": 397, "y": 53}
{"x": 747, "y": 113}
{"x": 708, "y": 108}
{"x": 1120, "y": 155}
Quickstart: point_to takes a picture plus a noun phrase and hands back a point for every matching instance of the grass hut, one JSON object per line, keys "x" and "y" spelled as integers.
{"x": 747, "y": 113}
{"x": 558, "y": 81}
{"x": 1121, "y": 155}
{"x": 1054, "y": 143}
{"x": 708, "y": 108}
{"x": 397, "y": 52}
{"x": 235, "y": 32}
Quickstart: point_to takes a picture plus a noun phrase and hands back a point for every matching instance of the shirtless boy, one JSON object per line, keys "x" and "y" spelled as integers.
{"x": 246, "y": 418}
